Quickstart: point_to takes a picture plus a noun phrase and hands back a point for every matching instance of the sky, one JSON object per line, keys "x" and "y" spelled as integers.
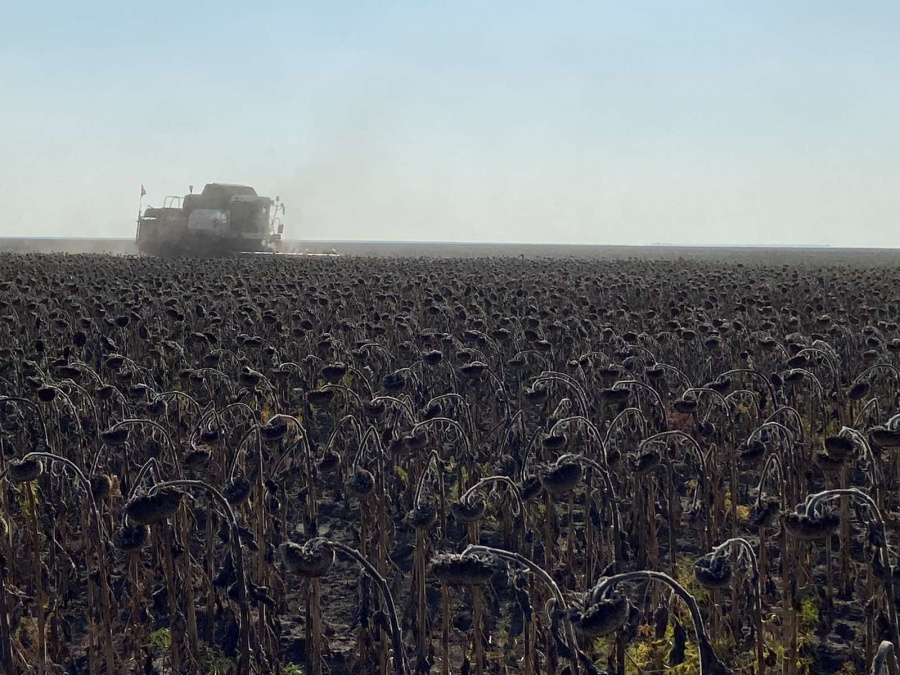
{"x": 693, "y": 123}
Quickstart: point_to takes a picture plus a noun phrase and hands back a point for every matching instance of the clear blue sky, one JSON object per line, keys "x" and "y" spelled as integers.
{"x": 578, "y": 122}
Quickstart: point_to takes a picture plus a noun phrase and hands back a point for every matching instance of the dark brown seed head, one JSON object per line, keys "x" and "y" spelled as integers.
{"x": 713, "y": 571}
{"x": 561, "y": 478}
{"x": 536, "y": 394}
{"x": 154, "y": 408}
{"x": 274, "y": 430}
{"x": 810, "y": 527}
{"x": 685, "y": 406}
{"x": 69, "y": 373}
{"x": 374, "y": 408}
{"x": 644, "y": 462}
{"x": 767, "y": 343}
{"x": 554, "y": 442}
{"x": 600, "y": 617}
{"x": 153, "y": 508}
{"x": 432, "y": 358}
{"x": 615, "y": 395}
{"x": 613, "y": 457}
{"x": 210, "y": 436}
{"x": 531, "y": 488}
{"x": 47, "y": 394}
{"x": 752, "y": 453}
{"x": 885, "y": 437}
{"x": 114, "y": 437}
{"x": 319, "y": 398}
{"x": 105, "y": 392}
{"x": 763, "y": 514}
{"x": 839, "y": 447}
{"x": 132, "y": 537}
{"x": 362, "y": 482}
{"x": 313, "y": 559}
{"x": 249, "y": 378}
{"x": 396, "y": 446}
{"x": 281, "y": 373}
{"x": 609, "y": 374}
{"x": 330, "y": 462}
{"x": 34, "y": 383}
{"x": 794, "y": 376}
{"x": 237, "y": 491}
{"x": 473, "y": 370}
{"x": 517, "y": 363}
{"x": 468, "y": 511}
{"x": 799, "y": 361}
{"x": 424, "y": 516}
{"x": 721, "y": 385}
{"x": 457, "y": 569}
{"x": 100, "y": 486}
{"x": 394, "y": 381}
{"x": 827, "y": 462}
{"x": 859, "y": 390}
{"x": 139, "y": 391}
{"x": 196, "y": 458}
{"x": 333, "y": 372}
{"x": 115, "y": 361}
{"x": 24, "y": 471}
{"x": 417, "y": 440}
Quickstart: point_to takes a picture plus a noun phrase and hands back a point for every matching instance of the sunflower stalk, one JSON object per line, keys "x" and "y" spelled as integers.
{"x": 709, "y": 662}
{"x": 38, "y": 587}
{"x": 237, "y": 552}
{"x": 541, "y": 574}
{"x": 398, "y": 650}
{"x": 5, "y": 641}
{"x": 812, "y": 503}
{"x": 94, "y": 534}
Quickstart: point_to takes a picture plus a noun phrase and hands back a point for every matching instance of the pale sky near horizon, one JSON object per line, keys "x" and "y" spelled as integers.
{"x": 696, "y": 123}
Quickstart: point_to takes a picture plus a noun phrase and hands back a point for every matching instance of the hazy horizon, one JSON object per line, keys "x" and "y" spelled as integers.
{"x": 451, "y": 242}
{"x": 572, "y": 123}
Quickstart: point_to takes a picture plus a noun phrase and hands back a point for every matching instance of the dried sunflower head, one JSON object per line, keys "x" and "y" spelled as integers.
{"x": 313, "y": 559}
{"x": 463, "y": 569}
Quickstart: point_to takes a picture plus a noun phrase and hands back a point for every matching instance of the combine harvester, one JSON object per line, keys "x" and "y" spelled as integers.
{"x": 223, "y": 220}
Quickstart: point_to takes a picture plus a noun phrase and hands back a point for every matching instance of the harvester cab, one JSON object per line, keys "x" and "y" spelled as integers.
{"x": 224, "y": 219}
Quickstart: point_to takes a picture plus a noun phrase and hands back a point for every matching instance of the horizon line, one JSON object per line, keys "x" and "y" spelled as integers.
{"x": 500, "y": 243}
